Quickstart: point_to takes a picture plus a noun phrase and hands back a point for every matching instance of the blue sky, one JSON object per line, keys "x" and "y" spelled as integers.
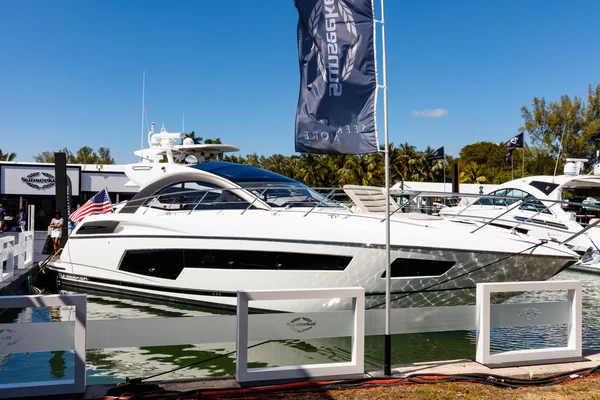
{"x": 71, "y": 71}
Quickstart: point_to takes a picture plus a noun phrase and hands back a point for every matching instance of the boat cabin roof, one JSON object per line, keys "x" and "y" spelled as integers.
{"x": 544, "y": 186}
{"x": 244, "y": 175}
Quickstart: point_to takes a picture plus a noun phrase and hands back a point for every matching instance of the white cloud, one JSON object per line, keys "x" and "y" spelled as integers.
{"x": 438, "y": 112}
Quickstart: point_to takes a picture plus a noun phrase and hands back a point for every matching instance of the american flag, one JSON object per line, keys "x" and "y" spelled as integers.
{"x": 99, "y": 204}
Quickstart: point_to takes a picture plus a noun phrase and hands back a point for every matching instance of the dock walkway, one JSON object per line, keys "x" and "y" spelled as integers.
{"x": 16, "y": 284}
{"x": 451, "y": 367}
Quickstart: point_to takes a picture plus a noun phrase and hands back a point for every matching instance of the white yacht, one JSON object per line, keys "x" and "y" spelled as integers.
{"x": 203, "y": 231}
{"x": 547, "y": 207}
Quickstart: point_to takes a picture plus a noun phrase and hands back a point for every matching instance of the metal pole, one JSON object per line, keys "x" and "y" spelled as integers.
{"x": 444, "y": 165}
{"x": 31, "y": 218}
{"x": 523, "y": 165}
{"x": 512, "y": 168}
{"x": 143, "y": 112}
{"x": 388, "y": 261}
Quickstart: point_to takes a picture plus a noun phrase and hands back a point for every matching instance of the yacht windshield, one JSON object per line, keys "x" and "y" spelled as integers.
{"x": 274, "y": 189}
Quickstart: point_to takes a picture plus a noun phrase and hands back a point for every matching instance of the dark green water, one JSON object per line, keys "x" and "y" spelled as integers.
{"x": 113, "y": 365}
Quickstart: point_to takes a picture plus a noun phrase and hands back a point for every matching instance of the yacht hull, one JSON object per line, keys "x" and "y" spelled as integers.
{"x": 218, "y": 286}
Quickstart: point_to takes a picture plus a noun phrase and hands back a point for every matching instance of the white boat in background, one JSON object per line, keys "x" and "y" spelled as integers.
{"x": 554, "y": 208}
{"x": 589, "y": 262}
{"x": 200, "y": 232}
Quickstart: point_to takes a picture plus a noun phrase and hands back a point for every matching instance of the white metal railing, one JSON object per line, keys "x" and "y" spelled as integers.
{"x": 33, "y": 337}
{"x": 25, "y": 249}
{"x": 7, "y": 258}
{"x": 352, "y": 368}
{"x": 307, "y": 200}
{"x": 534, "y": 314}
{"x": 22, "y": 250}
{"x": 104, "y": 334}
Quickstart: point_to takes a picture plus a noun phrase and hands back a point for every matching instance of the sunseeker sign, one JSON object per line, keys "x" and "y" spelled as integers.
{"x": 335, "y": 11}
{"x": 39, "y": 180}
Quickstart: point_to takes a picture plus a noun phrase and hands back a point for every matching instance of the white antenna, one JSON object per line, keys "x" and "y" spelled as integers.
{"x": 143, "y": 113}
{"x": 182, "y": 122}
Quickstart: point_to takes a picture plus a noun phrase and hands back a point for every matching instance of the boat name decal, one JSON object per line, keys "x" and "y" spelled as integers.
{"x": 301, "y": 324}
{"x": 529, "y": 313}
{"x": 38, "y": 182}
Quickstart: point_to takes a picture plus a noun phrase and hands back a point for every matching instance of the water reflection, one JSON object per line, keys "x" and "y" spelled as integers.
{"x": 58, "y": 366}
{"x": 113, "y": 365}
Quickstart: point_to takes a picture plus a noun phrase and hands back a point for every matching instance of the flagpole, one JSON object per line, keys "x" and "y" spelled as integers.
{"x": 512, "y": 168}
{"x": 388, "y": 261}
{"x": 444, "y": 165}
{"x": 523, "y": 165}
{"x": 143, "y": 106}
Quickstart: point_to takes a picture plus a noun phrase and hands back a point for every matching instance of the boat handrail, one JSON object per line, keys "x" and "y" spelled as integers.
{"x": 320, "y": 202}
{"x": 199, "y": 196}
{"x": 254, "y": 201}
{"x": 532, "y": 217}
{"x": 508, "y": 209}
{"x": 480, "y": 196}
{"x": 193, "y": 198}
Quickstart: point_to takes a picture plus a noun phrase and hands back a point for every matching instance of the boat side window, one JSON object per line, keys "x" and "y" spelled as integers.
{"x": 502, "y": 197}
{"x": 490, "y": 201}
{"x": 500, "y": 193}
{"x": 532, "y": 204}
{"x": 196, "y": 196}
{"x": 516, "y": 195}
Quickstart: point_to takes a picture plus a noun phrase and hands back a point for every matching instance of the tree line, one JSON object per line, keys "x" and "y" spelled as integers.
{"x": 567, "y": 128}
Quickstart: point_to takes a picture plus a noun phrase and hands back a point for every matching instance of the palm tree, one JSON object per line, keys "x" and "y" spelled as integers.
{"x": 192, "y": 135}
{"x": 335, "y": 165}
{"x": 359, "y": 170}
{"x": 293, "y": 167}
{"x": 213, "y": 141}
{"x": 253, "y": 160}
{"x": 312, "y": 172}
{"x": 472, "y": 173}
{"x": 276, "y": 163}
{"x": 7, "y": 156}
{"x": 402, "y": 162}
{"x": 234, "y": 159}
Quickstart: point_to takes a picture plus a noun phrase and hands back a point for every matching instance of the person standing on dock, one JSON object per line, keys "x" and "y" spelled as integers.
{"x": 56, "y": 225}
{"x": 22, "y": 219}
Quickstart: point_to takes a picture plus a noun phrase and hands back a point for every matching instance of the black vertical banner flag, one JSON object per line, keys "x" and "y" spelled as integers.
{"x": 69, "y": 196}
{"x": 338, "y": 82}
{"x": 515, "y": 142}
{"x": 436, "y": 155}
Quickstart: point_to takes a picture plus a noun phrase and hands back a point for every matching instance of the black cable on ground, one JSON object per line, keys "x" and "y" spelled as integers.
{"x": 319, "y": 387}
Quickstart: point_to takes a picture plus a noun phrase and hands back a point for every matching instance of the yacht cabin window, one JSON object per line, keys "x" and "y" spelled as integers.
{"x": 196, "y": 196}
{"x": 287, "y": 195}
{"x": 508, "y": 196}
